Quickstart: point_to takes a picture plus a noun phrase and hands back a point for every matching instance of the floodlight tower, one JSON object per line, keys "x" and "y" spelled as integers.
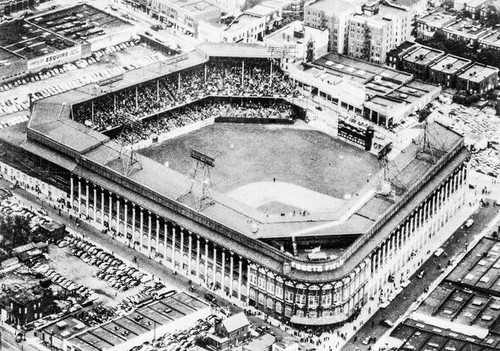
{"x": 200, "y": 181}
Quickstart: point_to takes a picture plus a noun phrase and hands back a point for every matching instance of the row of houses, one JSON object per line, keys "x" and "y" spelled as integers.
{"x": 437, "y": 67}
{"x": 462, "y": 29}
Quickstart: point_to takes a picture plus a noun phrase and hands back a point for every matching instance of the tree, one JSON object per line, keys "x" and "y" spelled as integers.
{"x": 15, "y": 231}
{"x": 310, "y": 51}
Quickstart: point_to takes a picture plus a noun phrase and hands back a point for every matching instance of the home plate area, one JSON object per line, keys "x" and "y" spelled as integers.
{"x": 280, "y": 197}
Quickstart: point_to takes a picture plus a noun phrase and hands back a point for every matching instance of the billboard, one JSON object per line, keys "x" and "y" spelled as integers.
{"x": 55, "y": 58}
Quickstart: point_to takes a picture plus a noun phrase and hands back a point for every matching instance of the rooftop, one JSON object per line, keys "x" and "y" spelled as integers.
{"x": 334, "y": 7}
{"x": 22, "y": 288}
{"x": 423, "y": 55}
{"x": 437, "y": 19}
{"x": 491, "y": 39}
{"x": 156, "y": 315}
{"x": 466, "y": 27}
{"x": 480, "y": 268}
{"x": 7, "y": 58}
{"x": 450, "y": 64}
{"x": 29, "y": 41}
{"x": 80, "y": 23}
{"x": 64, "y": 328}
{"x": 478, "y": 72}
{"x": 463, "y": 308}
{"x": 197, "y": 8}
{"x": 419, "y": 336}
{"x": 404, "y": 3}
{"x": 243, "y": 22}
{"x": 261, "y": 10}
{"x": 235, "y": 322}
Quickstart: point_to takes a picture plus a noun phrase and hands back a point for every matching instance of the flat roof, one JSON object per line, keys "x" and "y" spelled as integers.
{"x": 142, "y": 320}
{"x": 64, "y": 328}
{"x": 331, "y": 7}
{"x": 8, "y": 58}
{"x": 243, "y": 21}
{"x": 196, "y": 7}
{"x": 423, "y": 55}
{"x": 261, "y": 10}
{"x": 480, "y": 268}
{"x": 493, "y": 38}
{"x": 450, "y": 64}
{"x": 359, "y": 70}
{"x": 466, "y": 27}
{"x": 419, "y": 336}
{"x": 460, "y": 305}
{"x": 81, "y": 22}
{"x": 237, "y": 50}
{"x": 404, "y": 3}
{"x": 478, "y": 72}
{"x": 30, "y": 41}
{"x": 437, "y": 19}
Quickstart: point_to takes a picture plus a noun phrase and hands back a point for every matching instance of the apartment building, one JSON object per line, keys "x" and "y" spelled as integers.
{"x": 372, "y": 37}
{"x": 332, "y": 15}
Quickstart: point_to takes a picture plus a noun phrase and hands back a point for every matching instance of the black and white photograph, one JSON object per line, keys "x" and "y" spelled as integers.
{"x": 249, "y": 175}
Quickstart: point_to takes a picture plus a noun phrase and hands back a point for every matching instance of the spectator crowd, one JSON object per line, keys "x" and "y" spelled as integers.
{"x": 202, "y": 110}
{"x": 258, "y": 78}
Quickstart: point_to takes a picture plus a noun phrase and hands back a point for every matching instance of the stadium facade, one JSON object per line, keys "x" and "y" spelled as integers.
{"x": 260, "y": 261}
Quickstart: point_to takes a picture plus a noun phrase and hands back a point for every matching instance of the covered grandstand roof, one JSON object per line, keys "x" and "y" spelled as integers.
{"x": 235, "y": 50}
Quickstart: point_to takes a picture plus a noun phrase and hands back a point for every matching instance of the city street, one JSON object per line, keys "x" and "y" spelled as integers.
{"x": 432, "y": 268}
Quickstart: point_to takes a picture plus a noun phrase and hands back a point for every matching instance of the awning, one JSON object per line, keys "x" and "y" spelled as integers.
{"x": 317, "y": 321}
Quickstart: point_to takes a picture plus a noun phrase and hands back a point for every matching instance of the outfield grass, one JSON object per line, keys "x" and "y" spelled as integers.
{"x": 247, "y": 153}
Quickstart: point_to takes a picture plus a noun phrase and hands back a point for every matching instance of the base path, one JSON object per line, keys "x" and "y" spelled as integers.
{"x": 260, "y": 194}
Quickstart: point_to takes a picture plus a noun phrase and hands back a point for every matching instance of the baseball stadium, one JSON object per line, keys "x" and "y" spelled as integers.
{"x": 208, "y": 164}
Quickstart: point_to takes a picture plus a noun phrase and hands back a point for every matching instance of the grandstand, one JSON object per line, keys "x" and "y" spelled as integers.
{"x": 261, "y": 258}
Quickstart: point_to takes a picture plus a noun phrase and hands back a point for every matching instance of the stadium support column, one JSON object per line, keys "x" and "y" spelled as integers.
{"x": 79, "y": 197}
{"x": 205, "y": 73}
{"x": 95, "y": 202}
{"x": 181, "y": 249}
{"x": 110, "y": 211}
{"x": 214, "y": 265}
{"x": 114, "y": 103}
{"x": 125, "y": 221}
{"x": 87, "y": 198}
{"x": 72, "y": 191}
{"x": 231, "y": 275}
{"x": 206, "y": 261}
{"x": 117, "y": 215}
{"x": 165, "y": 229}
{"x": 157, "y": 234}
{"x": 141, "y": 229}
{"x": 223, "y": 270}
{"x": 149, "y": 233}
{"x": 190, "y": 250}
{"x": 92, "y": 111}
{"x": 173, "y": 246}
{"x": 133, "y": 225}
{"x": 248, "y": 282}
{"x": 102, "y": 206}
{"x": 197, "y": 257}
{"x": 240, "y": 273}
{"x": 179, "y": 82}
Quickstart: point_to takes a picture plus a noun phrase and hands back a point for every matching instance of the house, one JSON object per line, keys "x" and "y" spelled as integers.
{"x": 230, "y": 332}
{"x": 22, "y": 303}
{"x": 478, "y": 79}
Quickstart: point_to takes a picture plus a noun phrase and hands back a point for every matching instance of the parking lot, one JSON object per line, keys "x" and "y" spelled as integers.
{"x": 101, "y": 65}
